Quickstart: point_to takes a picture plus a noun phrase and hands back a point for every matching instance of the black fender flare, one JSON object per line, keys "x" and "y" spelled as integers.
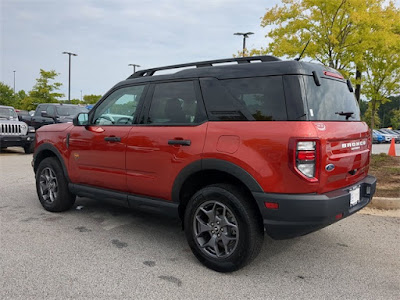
{"x": 213, "y": 164}
{"x": 53, "y": 149}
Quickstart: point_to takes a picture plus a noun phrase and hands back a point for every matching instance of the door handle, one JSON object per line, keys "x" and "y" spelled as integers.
{"x": 112, "y": 139}
{"x": 180, "y": 142}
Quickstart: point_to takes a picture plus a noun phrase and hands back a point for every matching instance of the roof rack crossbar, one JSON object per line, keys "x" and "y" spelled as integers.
{"x": 209, "y": 63}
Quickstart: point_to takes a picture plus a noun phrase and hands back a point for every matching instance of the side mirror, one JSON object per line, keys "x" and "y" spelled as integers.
{"x": 81, "y": 119}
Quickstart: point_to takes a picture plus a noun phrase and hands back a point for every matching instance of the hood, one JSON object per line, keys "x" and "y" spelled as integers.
{"x": 8, "y": 118}
{"x": 55, "y": 127}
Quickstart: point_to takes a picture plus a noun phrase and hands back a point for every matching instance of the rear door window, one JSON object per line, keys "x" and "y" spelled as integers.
{"x": 252, "y": 99}
{"x": 175, "y": 103}
{"x": 331, "y": 101}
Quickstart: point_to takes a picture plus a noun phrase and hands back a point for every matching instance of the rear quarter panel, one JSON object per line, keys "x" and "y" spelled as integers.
{"x": 262, "y": 149}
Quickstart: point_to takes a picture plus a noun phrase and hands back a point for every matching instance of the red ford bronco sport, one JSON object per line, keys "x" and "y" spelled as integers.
{"x": 230, "y": 146}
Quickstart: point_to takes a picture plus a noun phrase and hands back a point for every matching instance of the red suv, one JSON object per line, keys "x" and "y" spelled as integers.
{"x": 230, "y": 146}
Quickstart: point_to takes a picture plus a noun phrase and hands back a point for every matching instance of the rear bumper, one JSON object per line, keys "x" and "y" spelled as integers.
{"x": 16, "y": 141}
{"x": 299, "y": 214}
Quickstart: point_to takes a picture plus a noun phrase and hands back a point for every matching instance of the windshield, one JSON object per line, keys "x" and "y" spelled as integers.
{"x": 70, "y": 110}
{"x": 331, "y": 101}
{"x": 7, "y": 112}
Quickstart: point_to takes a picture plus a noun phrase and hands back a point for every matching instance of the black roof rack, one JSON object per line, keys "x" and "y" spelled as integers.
{"x": 209, "y": 63}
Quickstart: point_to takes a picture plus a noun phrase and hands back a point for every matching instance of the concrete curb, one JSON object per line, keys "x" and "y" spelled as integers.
{"x": 385, "y": 203}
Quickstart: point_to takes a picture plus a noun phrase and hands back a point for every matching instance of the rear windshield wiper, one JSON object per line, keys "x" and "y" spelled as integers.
{"x": 347, "y": 114}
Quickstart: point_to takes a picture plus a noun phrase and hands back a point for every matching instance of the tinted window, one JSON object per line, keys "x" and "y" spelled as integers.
{"x": 331, "y": 101}
{"x": 119, "y": 108}
{"x": 175, "y": 103}
{"x": 258, "y": 98}
{"x": 70, "y": 110}
{"x": 39, "y": 109}
{"x": 51, "y": 111}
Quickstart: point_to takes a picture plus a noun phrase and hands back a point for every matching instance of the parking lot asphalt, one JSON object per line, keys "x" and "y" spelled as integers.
{"x": 96, "y": 251}
{"x": 384, "y": 148}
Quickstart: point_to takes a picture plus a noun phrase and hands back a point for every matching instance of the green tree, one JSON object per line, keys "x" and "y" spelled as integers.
{"x": 386, "y": 110}
{"x": 367, "y": 117}
{"x": 6, "y": 95}
{"x": 395, "y": 119}
{"x": 353, "y": 36}
{"x": 91, "y": 99}
{"x": 44, "y": 91}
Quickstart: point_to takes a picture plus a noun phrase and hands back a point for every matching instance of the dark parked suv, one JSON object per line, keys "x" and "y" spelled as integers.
{"x": 231, "y": 149}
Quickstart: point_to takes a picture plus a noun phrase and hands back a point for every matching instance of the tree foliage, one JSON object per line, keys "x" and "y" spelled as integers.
{"x": 359, "y": 37}
{"x": 6, "y": 95}
{"x": 44, "y": 91}
{"x": 91, "y": 99}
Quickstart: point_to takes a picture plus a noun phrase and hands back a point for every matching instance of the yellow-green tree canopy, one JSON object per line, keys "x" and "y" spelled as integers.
{"x": 359, "y": 37}
{"x": 44, "y": 91}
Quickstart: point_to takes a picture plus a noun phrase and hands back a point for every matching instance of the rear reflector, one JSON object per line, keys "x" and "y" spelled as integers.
{"x": 271, "y": 205}
{"x": 339, "y": 216}
{"x": 305, "y": 155}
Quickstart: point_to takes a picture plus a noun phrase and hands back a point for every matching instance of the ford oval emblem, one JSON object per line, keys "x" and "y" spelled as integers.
{"x": 330, "y": 167}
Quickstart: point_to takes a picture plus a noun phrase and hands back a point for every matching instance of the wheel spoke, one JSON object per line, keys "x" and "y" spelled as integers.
{"x": 212, "y": 243}
{"x": 202, "y": 226}
{"x": 210, "y": 214}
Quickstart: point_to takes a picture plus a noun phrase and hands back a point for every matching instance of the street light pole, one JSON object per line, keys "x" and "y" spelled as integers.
{"x": 134, "y": 67}
{"x": 245, "y": 36}
{"x": 69, "y": 73}
{"x": 14, "y": 83}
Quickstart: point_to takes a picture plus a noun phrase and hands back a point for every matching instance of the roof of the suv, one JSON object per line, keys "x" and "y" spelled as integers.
{"x": 59, "y": 104}
{"x": 5, "y": 106}
{"x": 244, "y": 67}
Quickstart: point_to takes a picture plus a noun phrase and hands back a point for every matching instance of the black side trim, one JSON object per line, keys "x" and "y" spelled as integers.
{"x": 184, "y": 174}
{"x": 214, "y": 164}
{"x": 126, "y": 199}
{"x": 49, "y": 147}
{"x": 234, "y": 170}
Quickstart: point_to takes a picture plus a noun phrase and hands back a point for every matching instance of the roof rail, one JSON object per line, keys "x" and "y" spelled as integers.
{"x": 208, "y": 63}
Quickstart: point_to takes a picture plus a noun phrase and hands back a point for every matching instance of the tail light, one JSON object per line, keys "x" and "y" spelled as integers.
{"x": 304, "y": 158}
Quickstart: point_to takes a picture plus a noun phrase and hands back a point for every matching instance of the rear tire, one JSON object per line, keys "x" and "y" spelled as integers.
{"x": 52, "y": 186}
{"x": 223, "y": 229}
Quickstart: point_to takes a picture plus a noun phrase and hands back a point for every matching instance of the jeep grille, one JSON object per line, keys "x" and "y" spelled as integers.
{"x": 10, "y": 129}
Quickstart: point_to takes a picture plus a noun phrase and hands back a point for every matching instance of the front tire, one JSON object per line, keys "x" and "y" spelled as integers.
{"x": 223, "y": 228}
{"x": 52, "y": 186}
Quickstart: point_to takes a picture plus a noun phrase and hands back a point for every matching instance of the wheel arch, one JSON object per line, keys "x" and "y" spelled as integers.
{"x": 209, "y": 171}
{"x": 48, "y": 150}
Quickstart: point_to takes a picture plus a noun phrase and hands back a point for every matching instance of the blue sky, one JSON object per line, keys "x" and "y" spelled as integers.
{"x": 109, "y": 35}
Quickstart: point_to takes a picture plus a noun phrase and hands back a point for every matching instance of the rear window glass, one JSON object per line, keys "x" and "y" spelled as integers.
{"x": 331, "y": 101}
{"x": 258, "y": 98}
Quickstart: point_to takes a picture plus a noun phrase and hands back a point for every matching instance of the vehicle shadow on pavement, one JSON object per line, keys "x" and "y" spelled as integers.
{"x": 157, "y": 231}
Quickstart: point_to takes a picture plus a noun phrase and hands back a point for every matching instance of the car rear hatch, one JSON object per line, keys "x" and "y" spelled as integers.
{"x": 344, "y": 141}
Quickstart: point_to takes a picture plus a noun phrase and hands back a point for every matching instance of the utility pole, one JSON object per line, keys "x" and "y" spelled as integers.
{"x": 245, "y": 36}
{"x": 134, "y": 67}
{"x": 69, "y": 73}
{"x": 14, "y": 84}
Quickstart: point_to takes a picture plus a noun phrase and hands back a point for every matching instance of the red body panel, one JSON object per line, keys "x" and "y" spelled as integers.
{"x": 143, "y": 163}
{"x": 152, "y": 165}
{"x": 94, "y": 161}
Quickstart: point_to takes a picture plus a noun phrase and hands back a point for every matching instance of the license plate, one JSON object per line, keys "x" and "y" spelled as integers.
{"x": 354, "y": 196}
